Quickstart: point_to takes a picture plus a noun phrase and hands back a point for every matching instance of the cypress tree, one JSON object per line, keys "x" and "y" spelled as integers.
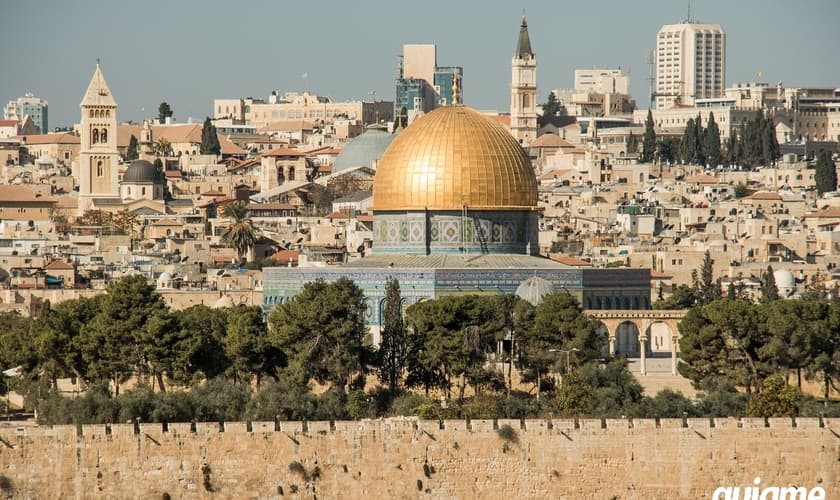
{"x": 711, "y": 142}
{"x": 687, "y": 151}
{"x": 209, "y": 139}
{"x": 699, "y": 156}
{"x": 392, "y": 347}
{"x": 769, "y": 292}
{"x": 132, "y": 152}
{"x": 649, "y": 140}
{"x": 825, "y": 175}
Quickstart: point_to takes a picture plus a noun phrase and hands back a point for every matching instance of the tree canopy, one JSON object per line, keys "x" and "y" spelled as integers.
{"x": 164, "y": 112}
{"x": 209, "y": 139}
{"x": 825, "y": 175}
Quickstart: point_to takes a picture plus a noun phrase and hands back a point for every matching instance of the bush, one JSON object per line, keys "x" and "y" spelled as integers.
{"x": 360, "y": 405}
{"x": 177, "y": 406}
{"x": 666, "y": 404}
{"x": 408, "y": 404}
{"x": 284, "y": 400}
{"x": 139, "y": 402}
{"x": 220, "y": 400}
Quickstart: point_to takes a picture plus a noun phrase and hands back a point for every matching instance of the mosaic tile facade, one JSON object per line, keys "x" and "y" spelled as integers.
{"x": 484, "y": 232}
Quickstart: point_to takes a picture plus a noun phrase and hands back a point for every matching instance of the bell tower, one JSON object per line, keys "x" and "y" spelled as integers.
{"x": 98, "y": 157}
{"x": 523, "y": 89}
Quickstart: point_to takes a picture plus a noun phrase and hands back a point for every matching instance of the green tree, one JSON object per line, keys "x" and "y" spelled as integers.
{"x": 551, "y": 106}
{"x": 649, "y": 140}
{"x": 668, "y": 150}
{"x": 132, "y": 153}
{"x": 449, "y": 339}
{"x": 777, "y": 399}
{"x": 240, "y": 234}
{"x": 794, "y": 328}
{"x": 160, "y": 342}
{"x": 741, "y": 190}
{"x": 392, "y": 346}
{"x": 248, "y": 346}
{"x": 559, "y": 327}
{"x": 688, "y": 148}
{"x": 825, "y": 175}
{"x": 699, "y": 133}
{"x": 162, "y": 147}
{"x": 711, "y": 143}
{"x": 683, "y": 297}
{"x": 164, "y": 112}
{"x": 709, "y": 288}
{"x": 769, "y": 290}
{"x": 202, "y": 354}
{"x": 322, "y": 333}
{"x": 58, "y": 335}
{"x": 720, "y": 344}
{"x": 826, "y": 353}
{"x": 209, "y": 139}
{"x": 111, "y": 341}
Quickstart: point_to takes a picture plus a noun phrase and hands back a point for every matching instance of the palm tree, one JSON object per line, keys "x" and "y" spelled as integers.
{"x": 241, "y": 233}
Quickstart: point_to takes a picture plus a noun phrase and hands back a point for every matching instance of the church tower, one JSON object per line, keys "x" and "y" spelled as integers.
{"x": 98, "y": 157}
{"x": 523, "y": 89}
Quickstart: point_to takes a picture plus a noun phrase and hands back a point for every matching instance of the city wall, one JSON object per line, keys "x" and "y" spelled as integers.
{"x": 405, "y": 458}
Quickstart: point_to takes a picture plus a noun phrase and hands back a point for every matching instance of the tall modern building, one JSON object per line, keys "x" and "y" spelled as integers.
{"x": 422, "y": 85}
{"x": 523, "y": 89}
{"x": 690, "y": 63}
{"x": 35, "y": 107}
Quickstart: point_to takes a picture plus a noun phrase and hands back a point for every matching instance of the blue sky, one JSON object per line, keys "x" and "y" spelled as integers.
{"x": 188, "y": 52}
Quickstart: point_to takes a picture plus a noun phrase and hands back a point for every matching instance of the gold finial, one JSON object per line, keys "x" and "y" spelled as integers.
{"x": 455, "y": 89}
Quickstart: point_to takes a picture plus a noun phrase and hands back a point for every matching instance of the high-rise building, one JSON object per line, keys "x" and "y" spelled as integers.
{"x": 96, "y": 167}
{"x": 422, "y": 85}
{"x": 690, "y": 63}
{"x": 602, "y": 81}
{"x": 28, "y": 105}
{"x": 447, "y": 81}
{"x": 523, "y": 89}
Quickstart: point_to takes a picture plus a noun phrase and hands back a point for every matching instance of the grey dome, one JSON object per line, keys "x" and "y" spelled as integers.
{"x": 140, "y": 171}
{"x": 534, "y": 289}
{"x": 364, "y": 149}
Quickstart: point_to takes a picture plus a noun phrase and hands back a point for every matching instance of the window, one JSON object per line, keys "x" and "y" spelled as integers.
{"x": 100, "y": 170}
{"x": 95, "y": 137}
{"x": 103, "y": 136}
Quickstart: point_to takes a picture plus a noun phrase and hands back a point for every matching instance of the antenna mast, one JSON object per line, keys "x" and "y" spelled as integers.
{"x": 688, "y": 20}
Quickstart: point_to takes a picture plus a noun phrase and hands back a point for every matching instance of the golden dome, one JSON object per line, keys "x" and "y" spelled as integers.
{"x": 451, "y": 157}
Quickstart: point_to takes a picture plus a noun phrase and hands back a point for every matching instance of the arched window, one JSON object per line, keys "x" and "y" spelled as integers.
{"x": 291, "y": 173}
{"x": 91, "y": 113}
{"x": 100, "y": 170}
{"x": 95, "y": 137}
{"x": 107, "y": 113}
{"x": 103, "y": 136}
{"x": 143, "y": 191}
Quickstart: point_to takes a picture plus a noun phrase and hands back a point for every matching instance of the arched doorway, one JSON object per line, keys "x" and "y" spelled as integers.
{"x": 627, "y": 340}
{"x": 660, "y": 340}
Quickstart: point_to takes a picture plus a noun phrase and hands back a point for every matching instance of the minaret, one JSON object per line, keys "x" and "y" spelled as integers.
{"x": 98, "y": 157}
{"x": 523, "y": 89}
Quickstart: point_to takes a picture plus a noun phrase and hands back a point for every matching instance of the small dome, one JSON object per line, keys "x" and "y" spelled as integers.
{"x": 534, "y": 289}
{"x": 784, "y": 279}
{"x": 364, "y": 149}
{"x": 165, "y": 276}
{"x": 224, "y": 301}
{"x": 140, "y": 171}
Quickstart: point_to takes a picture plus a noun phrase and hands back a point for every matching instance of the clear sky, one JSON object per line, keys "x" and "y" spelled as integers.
{"x": 188, "y": 52}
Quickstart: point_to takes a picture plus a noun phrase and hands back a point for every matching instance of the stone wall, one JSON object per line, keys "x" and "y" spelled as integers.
{"x": 404, "y": 458}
